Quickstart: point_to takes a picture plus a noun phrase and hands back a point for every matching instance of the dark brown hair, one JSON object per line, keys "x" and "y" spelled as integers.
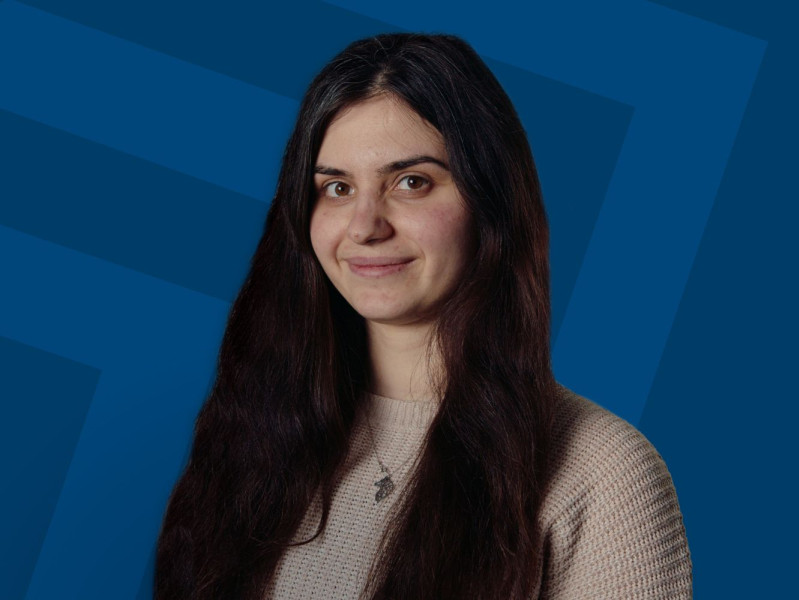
{"x": 292, "y": 368}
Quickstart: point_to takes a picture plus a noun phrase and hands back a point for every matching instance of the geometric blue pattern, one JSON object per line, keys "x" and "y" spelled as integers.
{"x": 688, "y": 102}
{"x": 38, "y": 433}
{"x": 150, "y": 340}
{"x": 723, "y": 407}
{"x": 125, "y": 209}
{"x": 571, "y": 131}
{"x": 141, "y": 102}
{"x": 139, "y": 146}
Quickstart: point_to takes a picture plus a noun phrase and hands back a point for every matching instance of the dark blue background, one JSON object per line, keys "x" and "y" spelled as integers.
{"x": 139, "y": 146}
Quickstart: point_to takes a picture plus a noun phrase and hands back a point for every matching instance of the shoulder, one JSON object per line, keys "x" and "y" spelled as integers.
{"x": 592, "y": 447}
{"x": 610, "y": 517}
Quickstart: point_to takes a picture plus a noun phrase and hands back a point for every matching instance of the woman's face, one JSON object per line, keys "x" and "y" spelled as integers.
{"x": 389, "y": 226}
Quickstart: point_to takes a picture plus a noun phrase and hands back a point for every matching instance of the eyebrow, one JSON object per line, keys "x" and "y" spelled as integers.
{"x": 392, "y": 167}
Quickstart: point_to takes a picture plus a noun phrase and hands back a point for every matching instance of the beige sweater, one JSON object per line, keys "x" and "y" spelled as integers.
{"x": 612, "y": 522}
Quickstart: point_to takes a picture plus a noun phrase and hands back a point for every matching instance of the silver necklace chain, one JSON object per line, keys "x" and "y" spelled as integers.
{"x": 385, "y": 484}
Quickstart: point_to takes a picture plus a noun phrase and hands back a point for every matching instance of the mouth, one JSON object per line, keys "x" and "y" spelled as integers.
{"x": 377, "y": 267}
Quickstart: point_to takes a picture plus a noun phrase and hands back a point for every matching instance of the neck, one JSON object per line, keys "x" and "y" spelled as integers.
{"x": 401, "y": 362}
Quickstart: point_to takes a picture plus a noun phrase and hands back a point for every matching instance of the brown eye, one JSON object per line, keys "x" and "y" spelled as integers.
{"x": 413, "y": 182}
{"x": 336, "y": 189}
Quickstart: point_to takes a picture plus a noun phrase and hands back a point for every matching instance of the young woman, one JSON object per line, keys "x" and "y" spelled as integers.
{"x": 385, "y": 422}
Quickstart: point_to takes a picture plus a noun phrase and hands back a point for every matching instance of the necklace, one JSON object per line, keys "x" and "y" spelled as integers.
{"x": 385, "y": 484}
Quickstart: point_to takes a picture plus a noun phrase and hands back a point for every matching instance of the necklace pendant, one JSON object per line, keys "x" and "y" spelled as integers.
{"x": 385, "y": 487}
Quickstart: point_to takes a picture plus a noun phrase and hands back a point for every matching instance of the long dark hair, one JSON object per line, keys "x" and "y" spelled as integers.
{"x": 292, "y": 368}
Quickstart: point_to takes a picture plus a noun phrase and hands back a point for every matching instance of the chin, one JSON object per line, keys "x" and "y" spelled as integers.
{"x": 383, "y": 313}
{"x": 386, "y": 317}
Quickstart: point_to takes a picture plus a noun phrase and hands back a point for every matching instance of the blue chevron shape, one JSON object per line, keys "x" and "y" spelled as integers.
{"x": 155, "y": 344}
{"x": 688, "y": 81}
{"x": 673, "y": 89}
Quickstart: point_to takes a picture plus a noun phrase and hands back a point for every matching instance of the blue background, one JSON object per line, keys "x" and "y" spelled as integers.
{"x": 139, "y": 148}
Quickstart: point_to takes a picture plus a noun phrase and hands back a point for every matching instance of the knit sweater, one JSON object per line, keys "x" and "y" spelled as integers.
{"x": 612, "y": 525}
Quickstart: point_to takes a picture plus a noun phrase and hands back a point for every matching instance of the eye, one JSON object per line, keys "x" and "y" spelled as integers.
{"x": 337, "y": 189}
{"x": 413, "y": 183}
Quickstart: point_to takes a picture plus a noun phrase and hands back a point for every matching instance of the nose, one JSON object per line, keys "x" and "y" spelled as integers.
{"x": 369, "y": 222}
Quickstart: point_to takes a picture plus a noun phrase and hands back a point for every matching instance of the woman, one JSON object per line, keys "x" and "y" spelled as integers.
{"x": 384, "y": 421}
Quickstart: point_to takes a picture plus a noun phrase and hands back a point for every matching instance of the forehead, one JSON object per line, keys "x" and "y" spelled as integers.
{"x": 380, "y": 128}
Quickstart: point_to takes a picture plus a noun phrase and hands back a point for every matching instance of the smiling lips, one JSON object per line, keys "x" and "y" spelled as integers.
{"x": 377, "y": 266}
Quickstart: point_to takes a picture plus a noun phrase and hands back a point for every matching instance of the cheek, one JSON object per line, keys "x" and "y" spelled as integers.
{"x": 448, "y": 234}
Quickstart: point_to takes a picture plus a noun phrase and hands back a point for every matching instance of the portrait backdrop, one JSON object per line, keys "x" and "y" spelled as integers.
{"x": 139, "y": 148}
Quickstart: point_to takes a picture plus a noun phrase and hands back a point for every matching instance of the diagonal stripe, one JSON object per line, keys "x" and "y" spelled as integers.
{"x": 139, "y": 101}
{"x": 67, "y": 190}
{"x": 277, "y": 46}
